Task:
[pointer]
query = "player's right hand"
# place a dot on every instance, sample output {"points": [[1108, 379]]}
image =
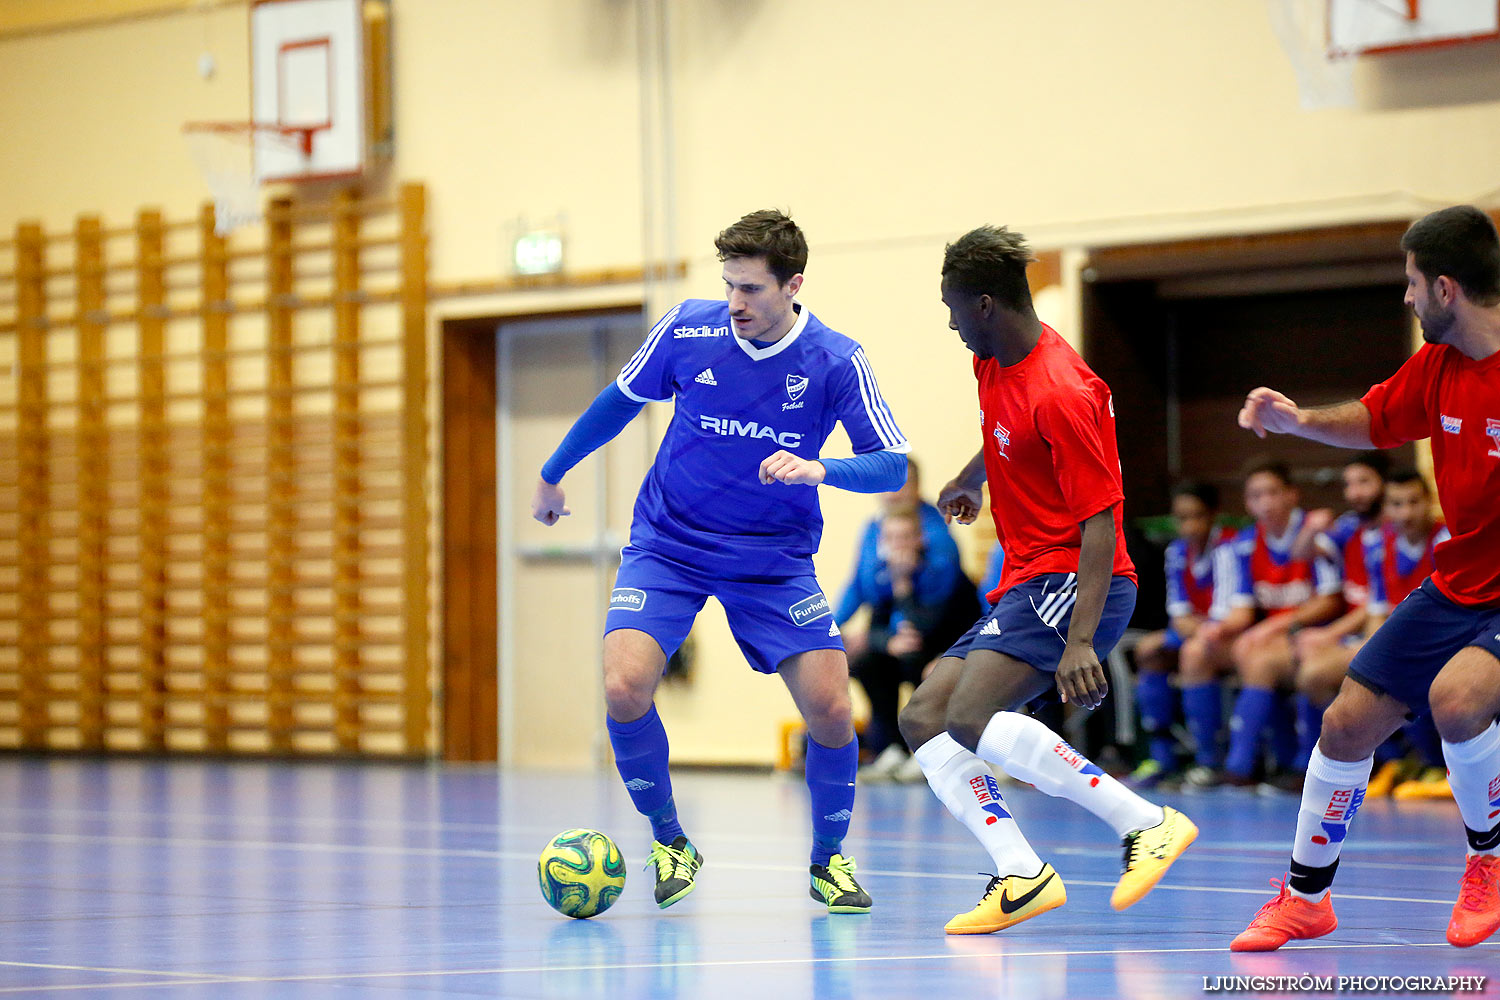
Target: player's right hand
{"points": [[959, 501], [1267, 410], [548, 503]]}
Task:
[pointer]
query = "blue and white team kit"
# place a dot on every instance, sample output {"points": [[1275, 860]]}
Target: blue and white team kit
{"points": [[704, 524]]}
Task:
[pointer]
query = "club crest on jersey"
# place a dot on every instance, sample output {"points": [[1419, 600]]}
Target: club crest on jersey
{"points": [[809, 609], [1002, 439], [796, 385], [627, 599], [1492, 428], [1079, 762], [987, 793]]}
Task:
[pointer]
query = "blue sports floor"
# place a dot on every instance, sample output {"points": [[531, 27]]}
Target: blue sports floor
{"points": [[236, 880]]}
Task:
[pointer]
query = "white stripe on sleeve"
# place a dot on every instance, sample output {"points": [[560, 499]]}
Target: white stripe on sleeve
{"points": [[643, 353], [876, 410]]}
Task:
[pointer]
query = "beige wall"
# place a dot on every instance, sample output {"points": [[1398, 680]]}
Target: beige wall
{"points": [[886, 127]]}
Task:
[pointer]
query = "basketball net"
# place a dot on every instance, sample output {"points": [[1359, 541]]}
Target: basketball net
{"points": [[1323, 81], [225, 153]]}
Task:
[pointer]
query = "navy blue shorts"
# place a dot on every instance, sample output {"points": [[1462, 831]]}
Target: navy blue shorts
{"points": [[1030, 621], [771, 620], [1418, 640]]}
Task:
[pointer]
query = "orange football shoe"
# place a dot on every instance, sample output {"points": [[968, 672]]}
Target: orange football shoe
{"points": [[1286, 918], [1476, 915]]}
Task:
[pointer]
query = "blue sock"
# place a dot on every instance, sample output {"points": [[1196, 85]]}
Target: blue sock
{"points": [[1252, 710], [1203, 704], [830, 781], [1284, 733], [1309, 725], [1154, 694], [641, 758]]}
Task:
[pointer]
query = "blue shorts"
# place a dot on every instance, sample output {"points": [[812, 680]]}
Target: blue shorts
{"points": [[771, 619], [1171, 640], [1030, 621], [1417, 640]]}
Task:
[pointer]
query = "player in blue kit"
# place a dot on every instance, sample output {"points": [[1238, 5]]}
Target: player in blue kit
{"points": [[726, 511]]}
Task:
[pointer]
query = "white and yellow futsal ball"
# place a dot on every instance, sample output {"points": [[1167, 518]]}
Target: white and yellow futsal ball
{"points": [[581, 873]]}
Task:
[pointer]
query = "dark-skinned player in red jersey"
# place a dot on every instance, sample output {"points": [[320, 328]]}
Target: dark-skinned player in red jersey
{"points": [[1439, 651], [1066, 595]]}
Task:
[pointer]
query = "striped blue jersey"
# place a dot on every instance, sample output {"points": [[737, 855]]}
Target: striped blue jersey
{"points": [[702, 502]]}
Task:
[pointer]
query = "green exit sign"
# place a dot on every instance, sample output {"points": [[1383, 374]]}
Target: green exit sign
{"points": [[539, 253]]}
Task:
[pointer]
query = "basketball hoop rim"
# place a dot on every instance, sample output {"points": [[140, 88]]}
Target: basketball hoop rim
{"points": [[302, 135]]}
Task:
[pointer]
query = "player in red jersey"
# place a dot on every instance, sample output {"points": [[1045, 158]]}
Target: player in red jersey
{"points": [[1439, 651], [1064, 598]]}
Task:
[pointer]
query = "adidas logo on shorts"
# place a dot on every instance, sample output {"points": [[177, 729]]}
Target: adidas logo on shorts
{"points": [[991, 627], [833, 630], [706, 376]]}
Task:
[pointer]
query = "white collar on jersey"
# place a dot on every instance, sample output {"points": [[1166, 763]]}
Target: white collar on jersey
{"points": [[1284, 541], [761, 353]]}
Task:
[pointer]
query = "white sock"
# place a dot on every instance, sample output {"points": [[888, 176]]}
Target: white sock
{"points": [[1474, 774], [1332, 792], [1035, 754], [963, 784]]}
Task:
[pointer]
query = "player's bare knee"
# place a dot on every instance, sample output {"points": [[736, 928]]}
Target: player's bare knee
{"points": [[830, 720], [1456, 712], [920, 720], [1348, 734], [627, 693], [966, 725]]}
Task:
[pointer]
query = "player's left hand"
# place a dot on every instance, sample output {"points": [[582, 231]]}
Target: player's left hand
{"points": [[1080, 678], [784, 467]]}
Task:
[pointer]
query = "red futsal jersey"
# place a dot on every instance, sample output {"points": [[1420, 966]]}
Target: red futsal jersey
{"points": [[1441, 394], [1050, 457]]}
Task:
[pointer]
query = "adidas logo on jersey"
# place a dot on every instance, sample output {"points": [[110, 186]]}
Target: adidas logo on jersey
{"points": [[833, 630], [706, 376], [991, 627], [639, 784]]}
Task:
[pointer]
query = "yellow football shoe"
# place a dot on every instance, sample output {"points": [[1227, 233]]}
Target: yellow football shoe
{"points": [[1009, 900], [1148, 855]]}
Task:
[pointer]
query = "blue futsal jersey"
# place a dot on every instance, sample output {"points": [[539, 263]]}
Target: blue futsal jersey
{"points": [[702, 502]]}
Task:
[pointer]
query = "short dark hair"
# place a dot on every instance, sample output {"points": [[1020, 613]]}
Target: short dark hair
{"points": [[769, 233], [1376, 461], [991, 260], [1205, 493], [1273, 466], [1408, 474], [1460, 242]]}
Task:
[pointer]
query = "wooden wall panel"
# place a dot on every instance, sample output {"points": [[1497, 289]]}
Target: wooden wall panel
{"points": [[213, 518]]}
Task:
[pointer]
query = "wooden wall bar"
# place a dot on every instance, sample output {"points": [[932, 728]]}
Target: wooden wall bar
{"points": [[213, 510]]}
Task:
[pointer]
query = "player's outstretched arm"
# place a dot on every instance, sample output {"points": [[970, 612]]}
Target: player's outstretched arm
{"points": [[606, 417], [548, 503], [961, 497], [1343, 425]]}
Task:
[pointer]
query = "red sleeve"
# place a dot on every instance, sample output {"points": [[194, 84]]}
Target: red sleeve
{"points": [[1073, 425], [1398, 406]]}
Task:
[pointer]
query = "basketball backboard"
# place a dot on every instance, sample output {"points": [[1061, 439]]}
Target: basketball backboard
{"points": [[308, 70], [1361, 27]]}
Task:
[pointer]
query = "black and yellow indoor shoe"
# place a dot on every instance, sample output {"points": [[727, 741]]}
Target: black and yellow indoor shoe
{"points": [[1148, 855], [834, 885], [676, 867], [1010, 899]]}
